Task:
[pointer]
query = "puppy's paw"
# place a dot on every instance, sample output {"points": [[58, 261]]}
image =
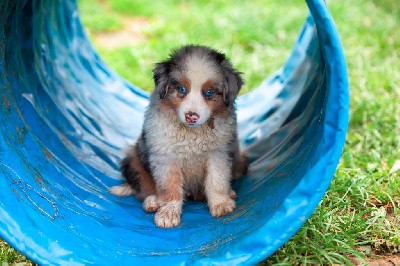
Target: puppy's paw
{"points": [[222, 208], [168, 216], [123, 190], [150, 204], [232, 194]]}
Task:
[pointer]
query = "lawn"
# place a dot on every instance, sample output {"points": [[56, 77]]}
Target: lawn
{"points": [[359, 217]]}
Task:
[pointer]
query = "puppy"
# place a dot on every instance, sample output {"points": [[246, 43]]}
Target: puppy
{"points": [[188, 148]]}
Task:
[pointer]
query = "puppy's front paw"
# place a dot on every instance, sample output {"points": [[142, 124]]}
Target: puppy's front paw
{"points": [[222, 208], [150, 204], [168, 216]]}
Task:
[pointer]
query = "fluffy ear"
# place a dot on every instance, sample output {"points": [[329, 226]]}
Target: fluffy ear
{"points": [[232, 85], [160, 76]]}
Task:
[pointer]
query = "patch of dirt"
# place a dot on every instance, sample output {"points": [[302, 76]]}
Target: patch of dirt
{"points": [[390, 260], [132, 33], [381, 252]]}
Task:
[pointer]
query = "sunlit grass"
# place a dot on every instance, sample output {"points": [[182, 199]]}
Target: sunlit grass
{"points": [[9, 255], [256, 36]]}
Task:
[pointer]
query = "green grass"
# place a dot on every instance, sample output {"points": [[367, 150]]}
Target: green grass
{"points": [[102, 18], [258, 40], [9, 255], [359, 215]]}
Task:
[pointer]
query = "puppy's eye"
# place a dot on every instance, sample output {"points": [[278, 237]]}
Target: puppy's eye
{"points": [[209, 93], [182, 90]]}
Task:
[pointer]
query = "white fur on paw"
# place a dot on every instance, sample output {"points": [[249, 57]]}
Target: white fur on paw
{"points": [[123, 190], [222, 208], [150, 204], [167, 216]]}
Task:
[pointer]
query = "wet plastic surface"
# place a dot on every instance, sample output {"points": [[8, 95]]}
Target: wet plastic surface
{"points": [[65, 118]]}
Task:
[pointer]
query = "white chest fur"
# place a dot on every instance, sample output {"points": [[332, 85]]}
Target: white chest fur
{"points": [[166, 135], [170, 142]]}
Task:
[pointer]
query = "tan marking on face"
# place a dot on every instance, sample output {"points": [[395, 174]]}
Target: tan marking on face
{"points": [[174, 98], [198, 75], [207, 85], [171, 102], [215, 102], [186, 83]]}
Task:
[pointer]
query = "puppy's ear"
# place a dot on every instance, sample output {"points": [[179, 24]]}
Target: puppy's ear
{"points": [[160, 76], [232, 85]]}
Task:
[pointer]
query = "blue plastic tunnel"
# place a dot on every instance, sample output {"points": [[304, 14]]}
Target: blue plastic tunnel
{"points": [[65, 117]]}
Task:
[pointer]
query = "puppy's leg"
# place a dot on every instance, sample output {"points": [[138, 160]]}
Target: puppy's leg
{"points": [[239, 159], [138, 179], [169, 180], [220, 196], [240, 165]]}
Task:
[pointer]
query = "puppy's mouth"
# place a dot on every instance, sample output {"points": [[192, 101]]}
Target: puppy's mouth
{"points": [[193, 125]]}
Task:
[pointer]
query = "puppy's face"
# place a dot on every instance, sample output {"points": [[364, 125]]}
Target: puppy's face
{"points": [[195, 91], [198, 83]]}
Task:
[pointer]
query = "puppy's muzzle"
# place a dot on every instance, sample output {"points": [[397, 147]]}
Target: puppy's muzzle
{"points": [[191, 117]]}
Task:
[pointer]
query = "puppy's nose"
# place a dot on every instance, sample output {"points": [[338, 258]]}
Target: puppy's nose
{"points": [[191, 117]]}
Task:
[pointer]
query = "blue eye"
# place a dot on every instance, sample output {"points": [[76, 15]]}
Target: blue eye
{"points": [[208, 93], [182, 90]]}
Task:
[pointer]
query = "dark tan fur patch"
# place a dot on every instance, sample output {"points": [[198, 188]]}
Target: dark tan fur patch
{"points": [[217, 105], [240, 166], [206, 85], [216, 102], [137, 175], [174, 98], [171, 188], [186, 83]]}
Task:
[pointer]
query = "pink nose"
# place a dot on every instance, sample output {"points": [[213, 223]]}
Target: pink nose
{"points": [[191, 117]]}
